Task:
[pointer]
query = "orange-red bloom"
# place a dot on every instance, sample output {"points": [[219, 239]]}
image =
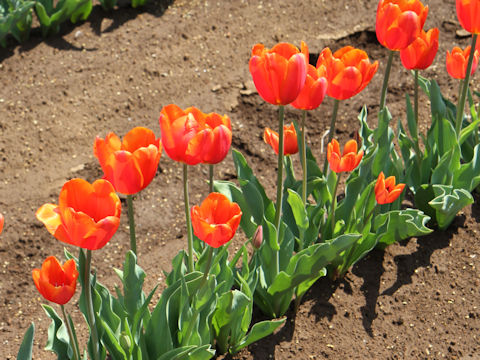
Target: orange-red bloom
{"points": [[87, 215], [468, 13], [457, 62], [399, 22], [313, 91], [2, 220], [290, 144], [386, 191], [130, 164], [55, 282], [348, 71], [279, 73], [348, 160], [216, 219], [420, 53], [190, 136]]}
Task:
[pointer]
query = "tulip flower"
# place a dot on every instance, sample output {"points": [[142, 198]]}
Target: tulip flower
{"points": [[192, 137], [420, 53], [279, 73], [313, 91], [216, 219], [468, 13], [2, 221], [386, 191], [56, 282], [87, 215], [348, 71], [289, 138], [399, 22], [348, 160], [130, 164], [457, 62]]}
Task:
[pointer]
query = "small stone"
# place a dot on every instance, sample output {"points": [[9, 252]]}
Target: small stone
{"points": [[216, 88], [462, 33]]}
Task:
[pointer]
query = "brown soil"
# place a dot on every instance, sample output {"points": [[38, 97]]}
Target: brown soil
{"points": [[416, 300]]}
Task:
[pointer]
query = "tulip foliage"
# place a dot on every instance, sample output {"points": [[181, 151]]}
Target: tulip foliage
{"points": [[307, 232]]}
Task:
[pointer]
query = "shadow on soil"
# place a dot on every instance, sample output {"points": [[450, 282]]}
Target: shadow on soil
{"points": [[119, 16]]}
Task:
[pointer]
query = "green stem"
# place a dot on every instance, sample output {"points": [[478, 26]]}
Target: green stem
{"points": [[303, 148], [334, 202], [90, 311], [131, 223], [73, 341], [383, 96], [331, 132], [278, 208], [463, 97], [188, 219], [416, 101], [210, 178]]}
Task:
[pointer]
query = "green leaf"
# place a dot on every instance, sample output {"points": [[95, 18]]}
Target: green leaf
{"points": [[133, 277], [448, 202], [298, 210], [468, 175], [25, 351], [259, 331], [398, 225], [191, 352], [58, 340]]}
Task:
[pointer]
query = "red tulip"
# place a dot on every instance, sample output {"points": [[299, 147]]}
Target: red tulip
{"points": [[457, 62], [468, 13], [131, 164], [290, 144], [348, 160], [190, 136], [2, 220], [420, 53], [386, 191], [313, 91], [279, 73], [87, 215], [55, 282], [216, 219], [399, 22], [348, 71]]}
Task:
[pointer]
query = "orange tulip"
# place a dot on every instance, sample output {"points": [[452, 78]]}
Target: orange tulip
{"points": [[386, 191], [290, 144], [190, 136], [313, 91], [348, 71], [216, 219], [130, 164], [2, 220], [349, 159], [420, 53], [468, 13], [279, 73], [457, 62], [399, 22], [87, 215], [55, 282]]}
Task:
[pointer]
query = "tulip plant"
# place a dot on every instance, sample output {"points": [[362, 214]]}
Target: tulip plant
{"points": [[306, 232], [15, 18]]}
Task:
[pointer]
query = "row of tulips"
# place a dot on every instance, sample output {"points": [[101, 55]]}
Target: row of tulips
{"points": [[208, 303]]}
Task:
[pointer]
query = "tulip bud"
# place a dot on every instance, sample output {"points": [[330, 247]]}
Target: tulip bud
{"points": [[257, 237], [125, 342]]}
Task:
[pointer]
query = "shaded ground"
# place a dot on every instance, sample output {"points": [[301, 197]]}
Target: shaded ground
{"points": [[416, 300]]}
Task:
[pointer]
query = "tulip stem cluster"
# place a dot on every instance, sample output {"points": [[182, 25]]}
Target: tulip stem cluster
{"points": [[383, 97], [188, 219], [73, 339], [463, 97], [331, 131], [90, 311], [131, 224]]}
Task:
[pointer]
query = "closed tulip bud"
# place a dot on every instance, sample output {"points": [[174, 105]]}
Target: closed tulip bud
{"points": [[420, 53], [257, 238], [313, 91]]}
